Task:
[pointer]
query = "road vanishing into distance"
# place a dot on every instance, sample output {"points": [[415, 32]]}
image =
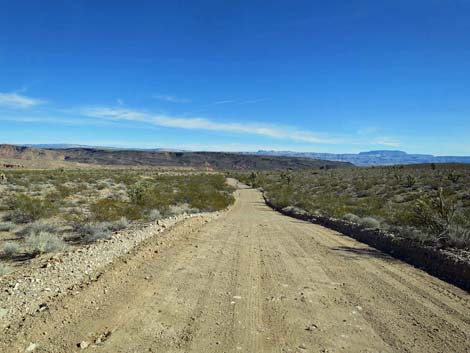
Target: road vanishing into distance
{"points": [[254, 281]]}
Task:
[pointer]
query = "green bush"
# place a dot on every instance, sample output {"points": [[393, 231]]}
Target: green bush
{"points": [[113, 210], [26, 209]]}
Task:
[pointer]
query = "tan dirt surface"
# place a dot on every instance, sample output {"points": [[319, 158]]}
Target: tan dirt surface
{"points": [[252, 281]]}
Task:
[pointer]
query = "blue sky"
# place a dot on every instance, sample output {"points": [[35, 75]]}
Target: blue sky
{"points": [[325, 76]]}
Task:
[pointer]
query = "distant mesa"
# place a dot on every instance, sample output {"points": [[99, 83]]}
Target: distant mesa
{"points": [[372, 158]]}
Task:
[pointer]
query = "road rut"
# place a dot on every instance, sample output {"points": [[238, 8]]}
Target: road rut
{"points": [[253, 281]]}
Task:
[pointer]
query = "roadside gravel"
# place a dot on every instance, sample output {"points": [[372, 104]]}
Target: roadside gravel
{"points": [[28, 290]]}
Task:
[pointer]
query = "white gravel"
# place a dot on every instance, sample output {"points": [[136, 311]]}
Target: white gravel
{"points": [[28, 290]]}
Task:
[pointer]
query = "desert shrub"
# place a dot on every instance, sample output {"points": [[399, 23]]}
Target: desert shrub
{"points": [[435, 213], [26, 209], [369, 222], [295, 210], [137, 192], [113, 210], [44, 242], [4, 269], [457, 236], [90, 232], [37, 227], [453, 177], [63, 191], [410, 181], [11, 249], [97, 234], [350, 217], [120, 224], [6, 226], [175, 210], [154, 215], [85, 229], [413, 233]]}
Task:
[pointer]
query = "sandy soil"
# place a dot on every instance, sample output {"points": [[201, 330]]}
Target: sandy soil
{"points": [[252, 281]]}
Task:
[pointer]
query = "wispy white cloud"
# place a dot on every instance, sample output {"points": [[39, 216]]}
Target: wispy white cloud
{"points": [[18, 101], [225, 101], [252, 101], [239, 102], [170, 98], [368, 130], [53, 120], [289, 133], [386, 141]]}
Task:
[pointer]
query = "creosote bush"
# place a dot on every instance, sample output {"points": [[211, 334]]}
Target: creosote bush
{"points": [[26, 209]]}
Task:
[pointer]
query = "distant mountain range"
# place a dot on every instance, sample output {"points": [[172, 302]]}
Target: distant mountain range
{"points": [[371, 158], [80, 156], [61, 146]]}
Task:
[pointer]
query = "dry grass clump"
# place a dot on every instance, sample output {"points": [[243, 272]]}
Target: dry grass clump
{"points": [[11, 249], [350, 217], [6, 226], [154, 215], [90, 232], [44, 242], [175, 210], [4, 269], [37, 227], [369, 222]]}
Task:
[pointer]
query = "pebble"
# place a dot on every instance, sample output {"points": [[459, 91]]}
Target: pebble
{"points": [[3, 312], [84, 344], [31, 348]]}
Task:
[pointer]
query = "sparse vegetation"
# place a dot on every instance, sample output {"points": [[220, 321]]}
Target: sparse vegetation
{"points": [[11, 249], [6, 226], [37, 227], [428, 203], [44, 242], [49, 210], [4, 269]]}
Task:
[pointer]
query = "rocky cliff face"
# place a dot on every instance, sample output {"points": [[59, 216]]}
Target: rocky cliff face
{"points": [[28, 153]]}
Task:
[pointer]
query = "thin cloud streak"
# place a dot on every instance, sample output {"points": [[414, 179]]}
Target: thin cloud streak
{"points": [[18, 101], [253, 101], [170, 98], [386, 141], [226, 101], [118, 114]]}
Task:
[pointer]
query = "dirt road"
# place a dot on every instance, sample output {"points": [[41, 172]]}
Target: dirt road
{"points": [[253, 281]]}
